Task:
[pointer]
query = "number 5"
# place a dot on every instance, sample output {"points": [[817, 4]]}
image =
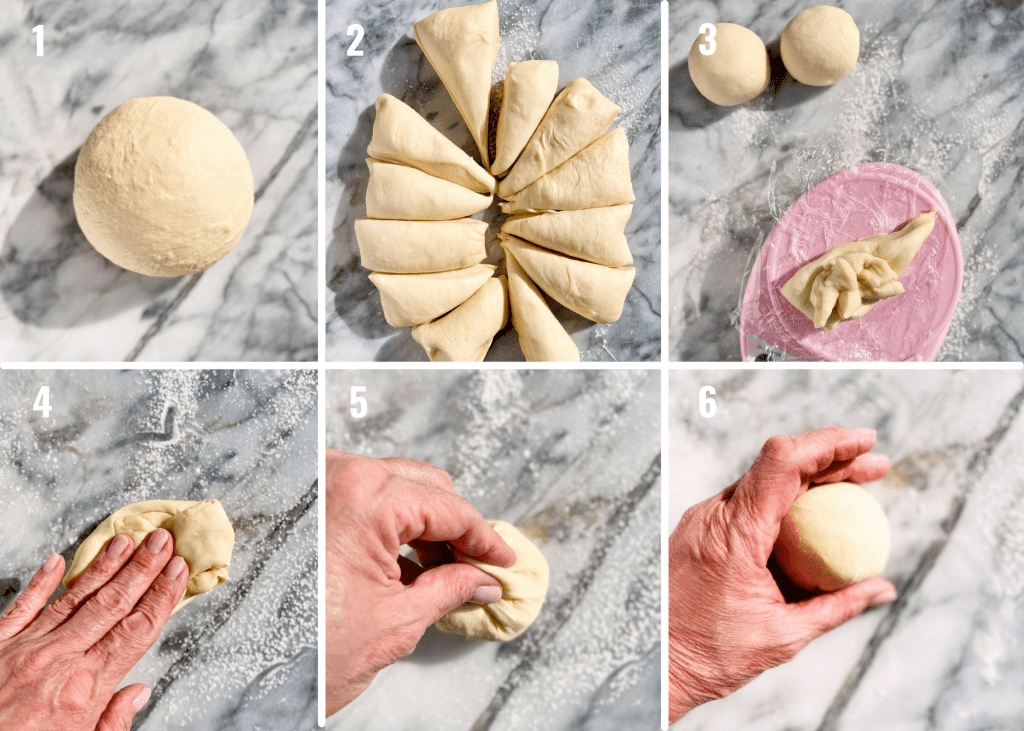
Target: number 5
{"points": [[358, 402]]}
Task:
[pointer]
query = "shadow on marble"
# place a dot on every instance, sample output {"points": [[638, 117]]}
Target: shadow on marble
{"points": [[437, 647]]}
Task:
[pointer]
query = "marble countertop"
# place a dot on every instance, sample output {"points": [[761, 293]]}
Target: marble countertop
{"points": [[254, 66], [573, 459], [243, 656], [612, 44], [936, 89], [947, 654]]}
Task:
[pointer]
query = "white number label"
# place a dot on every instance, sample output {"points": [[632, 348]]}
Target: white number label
{"points": [[357, 30], [358, 402], [43, 402], [708, 31], [39, 39], [708, 407]]}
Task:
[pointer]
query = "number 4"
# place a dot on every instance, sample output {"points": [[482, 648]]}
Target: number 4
{"points": [[43, 402], [358, 402]]}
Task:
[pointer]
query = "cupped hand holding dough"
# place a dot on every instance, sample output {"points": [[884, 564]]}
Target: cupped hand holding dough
{"points": [[203, 536], [529, 88], [407, 194], [464, 335], [413, 247], [409, 299], [736, 72], [541, 336], [820, 45]]}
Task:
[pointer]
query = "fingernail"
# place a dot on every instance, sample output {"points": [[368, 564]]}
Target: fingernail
{"points": [[119, 544], [174, 568], [51, 563], [486, 595], [865, 430], [156, 540], [141, 698], [884, 598]]}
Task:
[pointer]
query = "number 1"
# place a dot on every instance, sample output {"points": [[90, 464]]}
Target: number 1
{"points": [[39, 39]]}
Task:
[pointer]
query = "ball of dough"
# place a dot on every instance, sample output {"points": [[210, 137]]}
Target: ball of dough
{"points": [[736, 72], [820, 45], [203, 536], [523, 588], [162, 187], [832, 536]]}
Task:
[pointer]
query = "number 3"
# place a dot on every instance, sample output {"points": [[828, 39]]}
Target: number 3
{"points": [[708, 31]]}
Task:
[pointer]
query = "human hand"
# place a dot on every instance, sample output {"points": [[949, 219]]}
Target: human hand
{"points": [[379, 603], [63, 662], [728, 618]]}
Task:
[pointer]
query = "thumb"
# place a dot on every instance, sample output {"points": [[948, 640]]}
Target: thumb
{"points": [[443, 588], [824, 613], [123, 706]]}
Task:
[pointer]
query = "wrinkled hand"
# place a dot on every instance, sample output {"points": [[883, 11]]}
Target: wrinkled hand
{"points": [[728, 618], [62, 663], [379, 603]]}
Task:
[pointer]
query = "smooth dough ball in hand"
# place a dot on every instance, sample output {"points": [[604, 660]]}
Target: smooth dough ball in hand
{"points": [[162, 187], [524, 587], [736, 72], [833, 536], [820, 45]]}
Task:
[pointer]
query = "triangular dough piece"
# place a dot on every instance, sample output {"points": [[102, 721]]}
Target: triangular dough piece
{"points": [[596, 177], [409, 299], [529, 88], [577, 117], [464, 335], [414, 247], [541, 335], [401, 135], [591, 234], [597, 292], [850, 279], [462, 45], [403, 193]]}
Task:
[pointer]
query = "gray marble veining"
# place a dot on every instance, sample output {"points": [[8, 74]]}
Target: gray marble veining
{"points": [[613, 44]]}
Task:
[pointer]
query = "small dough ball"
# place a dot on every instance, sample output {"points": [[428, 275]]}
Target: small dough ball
{"points": [[524, 587], [832, 536], [736, 72], [820, 45], [162, 187]]}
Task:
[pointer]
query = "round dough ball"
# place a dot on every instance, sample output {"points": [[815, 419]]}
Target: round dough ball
{"points": [[832, 536], [820, 45], [162, 187], [524, 587], [736, 72]]}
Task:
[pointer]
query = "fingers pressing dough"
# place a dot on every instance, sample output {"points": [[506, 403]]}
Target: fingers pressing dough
{"points": [[405, 193], [529, 88], [410, 247], [409, 299], [465, 333], [591, 234], [541, 336]]}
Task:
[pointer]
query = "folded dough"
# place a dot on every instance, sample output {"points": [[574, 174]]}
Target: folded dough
{"points": [[410, 247], [541, 336], [203, 536], [850, 279], [595, 291], [465, 334], [462, 45], [402, 136], [591, 234], [597, 176], [409, 299], [529, 88], [523, 588], [405, 193]]}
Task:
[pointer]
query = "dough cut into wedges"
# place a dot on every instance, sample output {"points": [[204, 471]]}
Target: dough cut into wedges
{"points": [[400, 135], [409, 299], [462, 45], [578, 116], [541, 336], [597, 176], [850, 279], [407, 194], [591, 234], [529, 88], [415, 247], [595, 291], [464, 335]]}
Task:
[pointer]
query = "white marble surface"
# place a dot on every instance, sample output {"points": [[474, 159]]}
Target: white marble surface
{"points": [[613, 44], [242, 657], [946, 656], [573, 459], [936, 89], [253, 65]]}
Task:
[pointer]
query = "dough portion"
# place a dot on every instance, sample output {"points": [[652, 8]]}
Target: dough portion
{"points": [[409, 247], [405, 193], [524, 587], [597, 176], [529, 88], [591, 234], [738, 70], [597, 292], [820, 46], [402, 136], [578, 116], [833, 536], [850, 279], [465, 333], [541, 336], [409, 299], [162, 187], [462, 45], [203, 536]]}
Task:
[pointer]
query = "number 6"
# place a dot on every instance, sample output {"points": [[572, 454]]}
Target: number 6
{"points": [[708, 407]]}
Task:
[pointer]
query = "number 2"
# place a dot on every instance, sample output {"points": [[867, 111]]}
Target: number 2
{"points": [[358, 402], [358, 31], [708, 31]]}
